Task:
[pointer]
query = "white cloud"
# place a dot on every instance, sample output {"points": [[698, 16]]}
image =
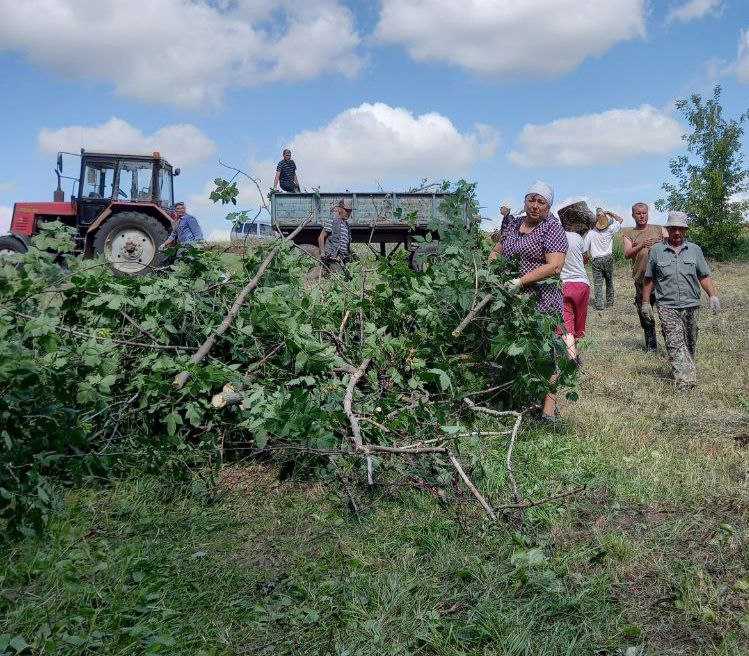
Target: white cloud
{"points": [[377, 142], [605, 138], [5, 214], [184, 52], [742, 61], [181, 144], [693, 10], [543, 37]]}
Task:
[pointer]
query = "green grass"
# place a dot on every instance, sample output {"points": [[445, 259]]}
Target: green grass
{"points": [[653, 554]]}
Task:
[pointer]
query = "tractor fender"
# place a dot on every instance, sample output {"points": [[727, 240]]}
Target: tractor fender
{"points": [[24, 239], [116, 208]]}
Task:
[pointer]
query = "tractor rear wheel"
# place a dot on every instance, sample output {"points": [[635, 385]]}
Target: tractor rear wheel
{"points": [[10, 246], [130, 242], [421, 256]]}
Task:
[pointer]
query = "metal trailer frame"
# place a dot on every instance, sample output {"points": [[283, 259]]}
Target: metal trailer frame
{"points": [[373, 217]]}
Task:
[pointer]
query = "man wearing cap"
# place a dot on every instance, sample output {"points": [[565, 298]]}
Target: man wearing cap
{"points": [[637, 244], [600, 241], [286, 174], [335, 238], [676, 269]]}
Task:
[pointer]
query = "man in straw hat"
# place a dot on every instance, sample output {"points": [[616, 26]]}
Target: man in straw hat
{"points": [[335, 238], [600, 241], [676, 269]]}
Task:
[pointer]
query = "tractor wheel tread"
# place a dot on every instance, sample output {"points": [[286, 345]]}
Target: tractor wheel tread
{"points": [[149, 224]]}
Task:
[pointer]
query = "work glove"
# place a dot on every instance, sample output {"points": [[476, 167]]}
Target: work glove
{"points": [[647, 311], [512, 286], [715, 304]]}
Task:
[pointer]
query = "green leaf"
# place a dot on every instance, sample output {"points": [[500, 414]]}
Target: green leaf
{"points": [[514, 349]]}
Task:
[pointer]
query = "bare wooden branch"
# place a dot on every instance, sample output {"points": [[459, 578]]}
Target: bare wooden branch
{"points": [[513, 436], [256, 181], [255, 366], [510, 473], [472, 314], [532, 504], [348, 400], [343, 325], [207, 345], [489, 390], [479, 497]]}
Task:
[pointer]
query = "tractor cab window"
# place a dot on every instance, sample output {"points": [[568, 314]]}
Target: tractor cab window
{"points": [[166, 188], [98, 180], [134, 181]]}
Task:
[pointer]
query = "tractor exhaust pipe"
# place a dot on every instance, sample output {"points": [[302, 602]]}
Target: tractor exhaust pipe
{"points": [[59, 195]]}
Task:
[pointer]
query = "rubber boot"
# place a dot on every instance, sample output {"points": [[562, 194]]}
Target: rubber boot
{"points": [[651, 341]]}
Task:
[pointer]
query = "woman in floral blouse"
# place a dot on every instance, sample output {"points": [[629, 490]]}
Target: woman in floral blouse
{"points": [[539, 242]]}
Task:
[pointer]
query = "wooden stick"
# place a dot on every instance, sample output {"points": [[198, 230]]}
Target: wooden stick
{"points": [[207, 345], [518, 419], [540, 502], [343, 325], [255, 366], [489, 390], [479, 497], [348, 400], [472, 314], [510, 473]]}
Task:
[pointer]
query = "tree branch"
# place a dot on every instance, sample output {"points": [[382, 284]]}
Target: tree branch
{"points": [[205, 347], [472, 314]]}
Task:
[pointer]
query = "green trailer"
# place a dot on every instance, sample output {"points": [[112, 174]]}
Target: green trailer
{"points": [[379, 218]]}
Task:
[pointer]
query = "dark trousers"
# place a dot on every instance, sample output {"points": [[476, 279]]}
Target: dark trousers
{"points": [[648, 326]]}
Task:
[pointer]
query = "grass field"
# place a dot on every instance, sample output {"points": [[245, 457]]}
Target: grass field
{"points": [[650, 559]]}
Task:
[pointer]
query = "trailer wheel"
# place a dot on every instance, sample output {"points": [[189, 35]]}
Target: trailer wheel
{"points": [[130, 242], [422, 255], [10, 246]]}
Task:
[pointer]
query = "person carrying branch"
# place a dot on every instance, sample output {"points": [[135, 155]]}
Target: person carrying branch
{"points": [[537, 238], [335, 238], [676, 270], [637, 244], [286, 174], [601, 243]]}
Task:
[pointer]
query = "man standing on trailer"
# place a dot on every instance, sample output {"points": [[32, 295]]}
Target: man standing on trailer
{"points": [[286, 174]]}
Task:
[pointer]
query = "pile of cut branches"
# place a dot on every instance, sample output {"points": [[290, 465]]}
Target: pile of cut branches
{"points": [[221, 355]]}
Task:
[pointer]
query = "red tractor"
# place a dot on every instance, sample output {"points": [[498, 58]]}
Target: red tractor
{"points": [[123, 210]]}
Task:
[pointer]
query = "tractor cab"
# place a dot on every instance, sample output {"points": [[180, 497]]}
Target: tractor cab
{"points": [[121, 208], [106, 179]]}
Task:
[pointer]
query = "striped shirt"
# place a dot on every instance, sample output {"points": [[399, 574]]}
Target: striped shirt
{"points": [[338, 243]]}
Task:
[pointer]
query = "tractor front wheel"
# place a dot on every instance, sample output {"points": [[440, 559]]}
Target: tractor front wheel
{"points": [[9, 246], [130, 242]]}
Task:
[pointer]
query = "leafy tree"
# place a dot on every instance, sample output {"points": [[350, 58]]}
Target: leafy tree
{"points": [[707, 179]]}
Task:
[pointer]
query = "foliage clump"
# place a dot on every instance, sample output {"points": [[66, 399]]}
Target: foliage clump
{"points": [[88, 360], [710, 178]]}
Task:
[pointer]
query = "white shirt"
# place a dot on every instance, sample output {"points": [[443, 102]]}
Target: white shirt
{"points": [[574, 265], [602, 241]]}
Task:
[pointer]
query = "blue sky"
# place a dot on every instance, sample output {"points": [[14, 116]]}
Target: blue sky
{"points": [[576, 92]]}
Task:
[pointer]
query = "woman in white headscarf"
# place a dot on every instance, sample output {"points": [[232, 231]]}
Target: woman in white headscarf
{"points": [[537, 239]]}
